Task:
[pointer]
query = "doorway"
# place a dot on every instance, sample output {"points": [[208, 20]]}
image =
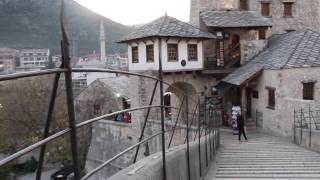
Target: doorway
{"points": [[248, 102]]}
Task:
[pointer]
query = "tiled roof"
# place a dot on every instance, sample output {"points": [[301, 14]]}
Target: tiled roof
{"points": [[234, 18], [291, 50], [167, 26], [119, 84]]}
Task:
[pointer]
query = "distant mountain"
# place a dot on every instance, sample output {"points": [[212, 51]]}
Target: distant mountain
{"points": [[35, 24]]}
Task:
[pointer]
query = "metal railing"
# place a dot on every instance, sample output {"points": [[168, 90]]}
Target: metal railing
{"points": [[66, 69], [305, 119], [232, 57]]}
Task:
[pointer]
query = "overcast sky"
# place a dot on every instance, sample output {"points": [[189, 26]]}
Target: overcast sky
{"points": [[131, 12]]}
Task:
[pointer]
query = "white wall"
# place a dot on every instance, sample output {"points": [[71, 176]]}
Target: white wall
{"points": [[183, 55], [143, 65]]}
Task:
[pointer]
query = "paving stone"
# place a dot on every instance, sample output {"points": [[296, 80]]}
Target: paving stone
{"points": [[263, 157]]}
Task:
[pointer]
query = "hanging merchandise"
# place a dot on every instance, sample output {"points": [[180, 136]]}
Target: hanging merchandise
{"points": [[235, 110]]}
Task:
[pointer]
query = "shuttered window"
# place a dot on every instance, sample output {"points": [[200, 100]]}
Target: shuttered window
{"points": [[243, 5], [271, 98], [172, 52], [287, 9], [265, 9], [262, 34], [135, 55], [308, 91], [192, 52], [150, 53]]}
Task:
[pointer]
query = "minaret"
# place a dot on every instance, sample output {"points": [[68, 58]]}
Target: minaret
{"points": [[103, 56]]}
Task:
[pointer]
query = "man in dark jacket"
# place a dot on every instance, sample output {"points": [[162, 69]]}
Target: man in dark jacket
{"points": [[240, 124]]}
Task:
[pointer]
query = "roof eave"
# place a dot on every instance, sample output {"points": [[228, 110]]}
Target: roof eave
{"points": [[243, 83], [260, 26], [187, 37]]}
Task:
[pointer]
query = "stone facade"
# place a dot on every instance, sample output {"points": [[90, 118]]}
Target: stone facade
{"points": [[8, 58], [288, 96], [306, 14], [110, 138]]}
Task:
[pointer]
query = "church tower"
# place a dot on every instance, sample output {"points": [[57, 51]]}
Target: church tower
{"points": [[103, 56]]}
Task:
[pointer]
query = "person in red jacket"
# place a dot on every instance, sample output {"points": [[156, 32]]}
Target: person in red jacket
{"points": [[126, 117]]}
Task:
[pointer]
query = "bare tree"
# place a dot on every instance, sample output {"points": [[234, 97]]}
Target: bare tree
{"points": [[24, 106]]}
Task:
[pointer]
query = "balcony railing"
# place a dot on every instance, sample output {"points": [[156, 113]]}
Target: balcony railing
{"points": [[232, 58]]}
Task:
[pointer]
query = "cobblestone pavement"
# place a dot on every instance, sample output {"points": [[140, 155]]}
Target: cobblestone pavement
{"points": [[263, 157]]}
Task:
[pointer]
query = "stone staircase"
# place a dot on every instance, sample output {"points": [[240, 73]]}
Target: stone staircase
{"points": [[251, 125], [263, 157]]}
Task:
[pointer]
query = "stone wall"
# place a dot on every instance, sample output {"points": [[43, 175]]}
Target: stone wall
{"points": [[309, 139], [110, 138], [176, 163], [288, 85], [306, 14], [249, 49]]}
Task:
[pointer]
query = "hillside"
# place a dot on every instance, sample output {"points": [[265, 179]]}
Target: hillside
{"points": [[35, 24]]}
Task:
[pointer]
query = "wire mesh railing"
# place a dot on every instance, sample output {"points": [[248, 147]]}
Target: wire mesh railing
{"points": [[305, 120], [190, 116]]}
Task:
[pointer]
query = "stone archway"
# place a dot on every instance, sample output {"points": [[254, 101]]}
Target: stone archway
{"points": [[175, 95]]}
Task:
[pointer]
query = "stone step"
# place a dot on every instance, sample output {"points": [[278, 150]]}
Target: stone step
{"points": [[278, 176], [264, 157], [280, 168], [267, 163]]}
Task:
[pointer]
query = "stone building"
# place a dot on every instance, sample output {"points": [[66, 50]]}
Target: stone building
{"points": [[286, 15], [34, 58], [280, 79], [236, 34], [8, 60]]}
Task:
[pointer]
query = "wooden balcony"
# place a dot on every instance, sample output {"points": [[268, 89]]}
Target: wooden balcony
{"points": [[230, 62]]}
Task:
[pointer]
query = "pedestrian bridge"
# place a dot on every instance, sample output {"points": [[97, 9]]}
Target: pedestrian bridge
{"points": [[262, 157]]}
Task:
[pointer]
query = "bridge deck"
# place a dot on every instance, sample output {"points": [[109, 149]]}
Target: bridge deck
{"points": [[263, 157]]}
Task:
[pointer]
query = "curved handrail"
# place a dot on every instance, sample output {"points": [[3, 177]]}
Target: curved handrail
{"points": [[32, 74], [88, 175], [65, 131], [131, 74], [62, 70]]}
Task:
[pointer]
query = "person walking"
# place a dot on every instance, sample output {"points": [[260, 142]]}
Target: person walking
{"points": [[240, 124]]}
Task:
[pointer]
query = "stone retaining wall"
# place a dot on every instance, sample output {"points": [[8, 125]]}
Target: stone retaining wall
{"points": [[176, 162]]}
